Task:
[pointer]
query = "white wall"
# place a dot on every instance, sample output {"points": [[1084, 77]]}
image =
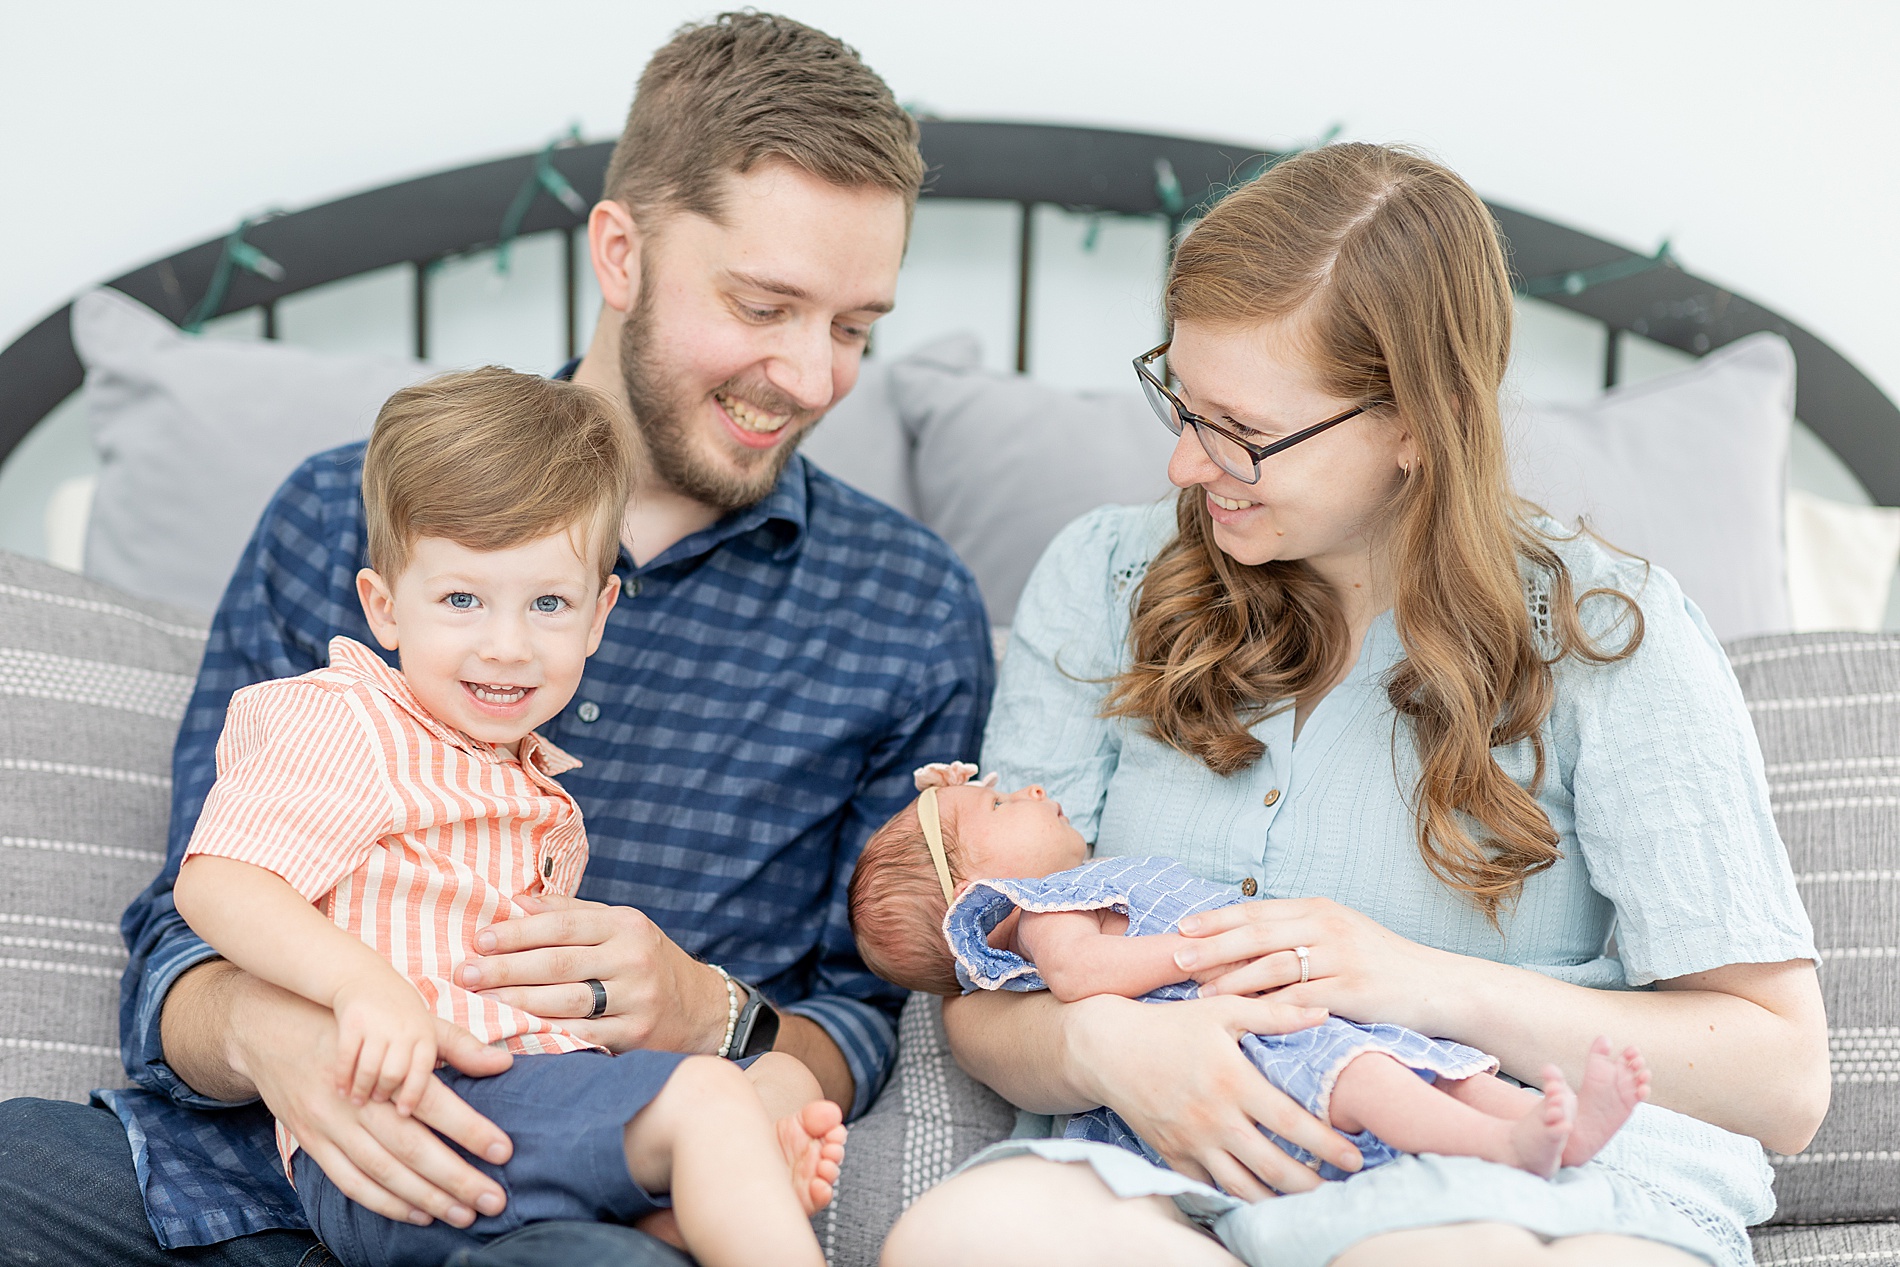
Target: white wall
{"points": [[1758, 137]]}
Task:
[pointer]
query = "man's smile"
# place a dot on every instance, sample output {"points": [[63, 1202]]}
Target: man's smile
{"points": [[750, 419]]}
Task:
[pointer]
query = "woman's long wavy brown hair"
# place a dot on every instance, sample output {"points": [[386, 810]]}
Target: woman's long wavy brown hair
{"points": [[1393, 268]]}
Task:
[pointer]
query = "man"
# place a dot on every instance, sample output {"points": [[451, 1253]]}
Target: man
{"points": [[785, 652]]}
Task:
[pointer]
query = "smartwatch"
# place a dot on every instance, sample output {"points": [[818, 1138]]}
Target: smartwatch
{"points": [[757, 1027]]}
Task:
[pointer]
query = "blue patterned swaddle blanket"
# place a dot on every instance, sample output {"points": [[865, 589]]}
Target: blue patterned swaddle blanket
{"points": [[1156, 894]]}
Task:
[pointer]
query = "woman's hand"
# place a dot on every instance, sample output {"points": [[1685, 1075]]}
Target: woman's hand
{"points": [[658, 996], [1356, 968], [1179, 1077]]}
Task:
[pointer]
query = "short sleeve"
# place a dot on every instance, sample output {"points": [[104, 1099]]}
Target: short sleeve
{"points": [[1069, 639], [301, 790], [1671, 800]]}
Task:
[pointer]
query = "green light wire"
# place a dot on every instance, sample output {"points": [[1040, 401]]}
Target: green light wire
{"points": [[545, 178], [1578, 280], [237, 253]]}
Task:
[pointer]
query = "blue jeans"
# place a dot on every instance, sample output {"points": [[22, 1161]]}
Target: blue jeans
{"points": [[68, 1198]]}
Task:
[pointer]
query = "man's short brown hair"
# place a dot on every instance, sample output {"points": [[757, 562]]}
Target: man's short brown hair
{"points": [[745, 88], [490, 459]]}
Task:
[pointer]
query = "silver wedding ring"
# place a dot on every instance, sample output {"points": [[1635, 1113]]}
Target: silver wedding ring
{"points": [[1306, 965], [600, 996]]}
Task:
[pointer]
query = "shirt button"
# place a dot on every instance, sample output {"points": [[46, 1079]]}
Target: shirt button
{"points": [[1248, 888], [588, 711], [632, 587], [547, 866], [1268, 800]]}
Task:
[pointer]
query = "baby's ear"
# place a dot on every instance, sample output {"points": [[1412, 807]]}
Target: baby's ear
{"points": [[962, 887]]}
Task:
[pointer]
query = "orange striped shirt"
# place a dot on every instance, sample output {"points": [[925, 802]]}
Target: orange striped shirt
{"points": [[400, 829]]}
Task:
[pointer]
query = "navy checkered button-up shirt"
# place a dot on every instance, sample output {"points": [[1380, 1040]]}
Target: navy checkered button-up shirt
{"points": [[761, 695]]}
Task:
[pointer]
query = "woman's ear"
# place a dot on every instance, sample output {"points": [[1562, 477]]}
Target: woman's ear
{"points": [[613, 242], [379, 606]]}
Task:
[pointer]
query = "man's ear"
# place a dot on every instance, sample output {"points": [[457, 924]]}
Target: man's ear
{"points": [[609, 595], [379, 606], [614, 242]]}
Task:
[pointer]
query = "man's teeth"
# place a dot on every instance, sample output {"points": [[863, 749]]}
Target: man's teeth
{"points": [[1229, 503], [498, 694], [754, 420]]}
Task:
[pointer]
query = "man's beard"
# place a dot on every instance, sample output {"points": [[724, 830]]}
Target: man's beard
{"points": [[662, 407]]}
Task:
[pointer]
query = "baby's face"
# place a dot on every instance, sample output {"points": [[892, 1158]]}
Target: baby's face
{"points": [[492, 641], [1022, 833]]}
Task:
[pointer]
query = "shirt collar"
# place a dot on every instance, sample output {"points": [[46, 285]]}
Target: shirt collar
{"points": [[357, 661], [782, 513]]}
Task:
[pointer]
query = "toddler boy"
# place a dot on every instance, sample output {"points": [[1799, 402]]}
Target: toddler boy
{"points": [[366, 822]]}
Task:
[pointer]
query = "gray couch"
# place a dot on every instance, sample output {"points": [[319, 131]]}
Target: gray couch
{"points": [[93, 681]]}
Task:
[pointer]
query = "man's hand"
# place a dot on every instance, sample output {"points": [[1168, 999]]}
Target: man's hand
{"points": [[386, 1042], [658, 996], [284, 1049]]}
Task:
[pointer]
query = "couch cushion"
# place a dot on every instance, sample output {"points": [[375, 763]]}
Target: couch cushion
{"points": [[1827, 708], [195, 434], [92, 685], [930, 1117], [1855, 1245], [1688, 471]]}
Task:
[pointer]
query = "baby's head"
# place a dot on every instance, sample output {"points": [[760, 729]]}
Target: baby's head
{"points": [[897, 896], [493, 503]]}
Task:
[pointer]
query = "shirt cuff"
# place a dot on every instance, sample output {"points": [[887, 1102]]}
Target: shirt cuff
{"points": [[143, 1046], [863, 1032]]}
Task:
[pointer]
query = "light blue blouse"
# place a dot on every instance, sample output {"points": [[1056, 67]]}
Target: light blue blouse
{"points": [[1671, 860]]}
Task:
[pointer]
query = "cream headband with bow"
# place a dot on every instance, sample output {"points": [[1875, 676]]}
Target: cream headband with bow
{"points": [[928, 779]]}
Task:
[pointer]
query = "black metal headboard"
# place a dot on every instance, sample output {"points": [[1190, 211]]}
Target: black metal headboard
{"points": [[1130, 173]]}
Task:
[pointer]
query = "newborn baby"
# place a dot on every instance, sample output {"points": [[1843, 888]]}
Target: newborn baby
{"points": [[970, 889]]}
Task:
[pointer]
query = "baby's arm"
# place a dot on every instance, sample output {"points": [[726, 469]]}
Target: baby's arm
{"points": [[256, 920], [1078, 955]]}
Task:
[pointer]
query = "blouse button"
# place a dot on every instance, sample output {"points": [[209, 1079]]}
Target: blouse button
{"points": [[1248, 888], [588, 711], [1268, 800]]}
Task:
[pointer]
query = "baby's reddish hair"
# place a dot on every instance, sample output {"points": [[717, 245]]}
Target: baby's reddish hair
{"points": [[897, 905]]}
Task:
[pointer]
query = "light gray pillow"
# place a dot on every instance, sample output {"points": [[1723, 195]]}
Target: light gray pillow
{"points": [[1688, 470], [1827, 709], [194, 435], [862, 442], [1000, 463], [92, 685]]}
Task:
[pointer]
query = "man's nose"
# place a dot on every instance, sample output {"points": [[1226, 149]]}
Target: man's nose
{"points": [[803, 368]]}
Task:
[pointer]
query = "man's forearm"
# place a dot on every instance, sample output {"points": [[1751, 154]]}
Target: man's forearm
{"points": [[196, 1027], [806, 1039]]}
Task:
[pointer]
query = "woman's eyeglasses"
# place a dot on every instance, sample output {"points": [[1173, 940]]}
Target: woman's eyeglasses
{"points": [[1239, 458]]}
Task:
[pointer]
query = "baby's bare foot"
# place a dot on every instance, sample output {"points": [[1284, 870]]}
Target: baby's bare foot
{"points": [[1538, 1137], [1612, 1088], [813, 1140]]}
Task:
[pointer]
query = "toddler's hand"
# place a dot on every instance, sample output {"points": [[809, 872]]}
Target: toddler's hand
{"points": [[385, 1043]]}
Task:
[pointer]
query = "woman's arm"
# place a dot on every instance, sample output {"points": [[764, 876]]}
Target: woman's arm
{"points": [[1175, 1072], [1743, 1047], [1076, 958]]}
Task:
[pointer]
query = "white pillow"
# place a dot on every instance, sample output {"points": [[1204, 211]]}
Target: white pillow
{"points": [[1687, 471], [194, 435], [1841, 562]]}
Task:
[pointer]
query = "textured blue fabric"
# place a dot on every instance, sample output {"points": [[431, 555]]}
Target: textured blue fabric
{"points": [[763, 691], [1156, 894]]}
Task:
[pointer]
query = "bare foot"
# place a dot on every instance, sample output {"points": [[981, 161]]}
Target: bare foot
{"points": [[813, 1140], [1538, 1137], [1612, 1088]]}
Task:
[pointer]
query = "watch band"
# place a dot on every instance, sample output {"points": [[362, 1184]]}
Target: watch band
{"points": [[757, 1028]]}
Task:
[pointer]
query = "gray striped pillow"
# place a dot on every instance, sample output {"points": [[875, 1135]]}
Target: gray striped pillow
{"points": [[92, 685], [1827, 708]]}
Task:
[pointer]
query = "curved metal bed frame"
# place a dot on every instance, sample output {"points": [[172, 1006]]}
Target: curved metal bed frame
{"points": [[421, 221]]}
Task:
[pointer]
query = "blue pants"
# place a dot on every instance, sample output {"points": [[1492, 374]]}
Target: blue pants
{"points": [[68, 1198]]}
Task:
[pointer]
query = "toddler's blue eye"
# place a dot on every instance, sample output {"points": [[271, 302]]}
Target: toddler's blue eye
{"points": [[549, 603], [460, 601]]}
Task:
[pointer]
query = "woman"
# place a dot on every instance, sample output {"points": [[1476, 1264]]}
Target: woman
{"points": [[1499, 778]]}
